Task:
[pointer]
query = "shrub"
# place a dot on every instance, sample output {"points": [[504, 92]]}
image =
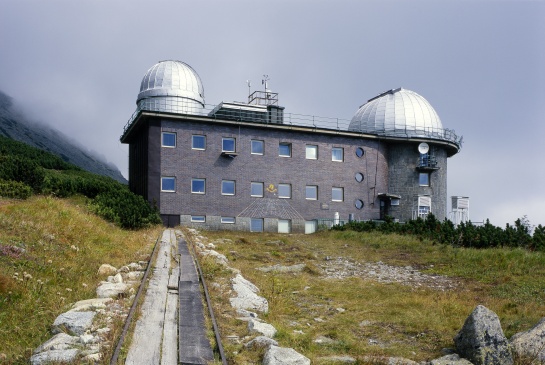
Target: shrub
{"points": [[14, 189], [18, 168]]}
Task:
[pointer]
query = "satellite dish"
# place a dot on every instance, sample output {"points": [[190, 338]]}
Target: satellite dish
{"points": [[423, 148]]}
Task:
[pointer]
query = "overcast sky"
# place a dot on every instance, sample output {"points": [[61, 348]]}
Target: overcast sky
{"points": [[77, 65]]}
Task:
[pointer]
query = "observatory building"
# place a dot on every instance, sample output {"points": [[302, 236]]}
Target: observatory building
{"points": [[251, 166]]}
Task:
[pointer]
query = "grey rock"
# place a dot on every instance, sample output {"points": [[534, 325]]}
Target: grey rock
{"points": [[90, 304], [452, 359], [261, 342], [530, 344], [109, 290], [54, 356], [323, 340], [60, 341], [247, 297], [279, 268], [338, 359], [481, 339], [106, 269], [75, 323], [284, 356], [265, 329], [136, 267]]}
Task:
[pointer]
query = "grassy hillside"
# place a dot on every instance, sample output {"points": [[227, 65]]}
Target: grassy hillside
{"points": [[50, 251]]}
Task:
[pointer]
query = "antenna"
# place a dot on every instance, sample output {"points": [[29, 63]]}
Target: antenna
{"points": [[423, 148], [265, 82], [249, 83]]}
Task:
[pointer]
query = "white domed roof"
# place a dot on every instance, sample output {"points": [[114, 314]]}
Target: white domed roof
{"points": [[395, 112], [171, 79]]}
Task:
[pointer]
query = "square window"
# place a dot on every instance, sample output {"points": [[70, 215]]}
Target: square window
{"points": [[228, 187], [168, 139], [198, 219], [284, 226], [198, 142], [168, 184], [311, 226], [311, 152], [228, 145], [337, 154], [424, 179], [198, 186], [337, 194], [284, 150], [228, 220], [257, 189], [256, 225], [284, 191], [258, 147], [311, 192]]}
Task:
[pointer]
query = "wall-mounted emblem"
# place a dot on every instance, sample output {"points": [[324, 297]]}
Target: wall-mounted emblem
{"points": [[271, 188]]}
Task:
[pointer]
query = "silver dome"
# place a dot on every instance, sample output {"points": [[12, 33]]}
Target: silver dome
{"points": [[397, 112], [171, 86]]}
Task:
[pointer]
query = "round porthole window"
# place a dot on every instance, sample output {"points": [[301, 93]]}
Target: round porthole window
{"points": [[359, 177], [360, 152], [359, 204]]}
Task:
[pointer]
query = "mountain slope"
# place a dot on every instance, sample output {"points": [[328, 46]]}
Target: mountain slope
{"points": [[15, 126]]}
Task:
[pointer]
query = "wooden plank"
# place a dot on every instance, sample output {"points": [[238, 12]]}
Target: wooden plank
{"points": [[169, 354]]}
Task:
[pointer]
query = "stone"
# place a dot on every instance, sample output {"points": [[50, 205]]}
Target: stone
{"points": [[452, 359], [481, 339], [134, 276], [343, 359], [60, 341], [133, 266], [261, 342], [247, 297], [92, 359], [106, 269], [88, 339], [246, 313], [323, 340], [284, 356], [123, 269], [118, 278], [265, 329], [283, 269], [54, 356], [111, 290], [530, 344], [75, 323], [90, 304], [218, 257]]}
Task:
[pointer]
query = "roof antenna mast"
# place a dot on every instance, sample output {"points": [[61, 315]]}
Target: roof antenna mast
{"points": [[249, 83]]}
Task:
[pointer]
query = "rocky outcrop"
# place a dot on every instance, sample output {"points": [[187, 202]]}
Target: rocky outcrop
{"points": [[452, 359], [481, 339], [264, 329], [530, 344], [284, 356], [247, 297], [74, 323]]}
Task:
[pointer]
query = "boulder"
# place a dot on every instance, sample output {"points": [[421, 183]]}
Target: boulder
{"points": [[247, 297], [60, 341], [530, 344], [111, 290], [218, 257], [55, 356], [338, 359], [452, 359], [283, 269], [265, 329], [90, 304], [75, 323], [261, 342], [106, 269], [481, 339], [284, 356]]}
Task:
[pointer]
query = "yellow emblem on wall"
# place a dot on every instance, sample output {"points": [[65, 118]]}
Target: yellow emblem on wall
{"points": [[271, 189]]}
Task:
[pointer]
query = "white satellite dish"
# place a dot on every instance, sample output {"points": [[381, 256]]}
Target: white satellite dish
{"points": [[423, 148]]}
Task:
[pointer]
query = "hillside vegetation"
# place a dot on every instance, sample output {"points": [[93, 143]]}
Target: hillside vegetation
{"points": [[26, 170]]}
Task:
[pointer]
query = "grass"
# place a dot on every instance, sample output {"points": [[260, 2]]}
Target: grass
{"points": [[50, 251], [379, 319]]}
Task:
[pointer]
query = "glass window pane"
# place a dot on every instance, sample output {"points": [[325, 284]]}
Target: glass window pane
{"points": [[337, 194], [257, 189], [360, 152], [257, 147], [198, 186], [256, 225], [284, 149], [168, 184], [198, 142], [228, 220], [284, 226], [228, 145], [359, 177], [311, 152], [169, 139], [198, 218], [358, 204], [228, 187], [311, 192], [424, 179], [284, 191], [337, 154], [310, 226]]}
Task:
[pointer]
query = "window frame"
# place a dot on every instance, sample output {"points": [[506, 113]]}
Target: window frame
{"points": [[288, 145], [311, 147], [197, 219], [223, 220], [360, 152], [284, 196], [257, 183], [164, 178], [261, 220], [333, 154], [193, 142], [224, 139], [337, 188], [234, 187], [428, 179], [163, 134], [194, 180], [307, 187], [262, 147]]}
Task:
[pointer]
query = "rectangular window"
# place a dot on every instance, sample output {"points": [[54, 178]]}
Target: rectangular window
{"points": [[257, 189], [228, 220], [198, 142], [337, 194], [311, 152], [168, 184], [284, 226], [256, 225], [284, 150], [424, 179], [228, 187], [168, 139], [258, 147], [424, 206], [198, 219], [311, 226], [284, 191], [337, 154], [311, 192], [228, 145], [198, 186]]}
